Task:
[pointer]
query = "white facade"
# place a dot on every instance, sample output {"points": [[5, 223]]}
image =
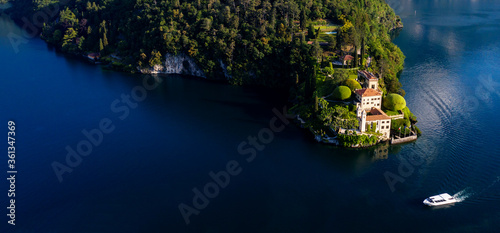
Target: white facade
{"points": [[369, 106], [383, 126], [370, 102], [377, 116], [369, 98]]}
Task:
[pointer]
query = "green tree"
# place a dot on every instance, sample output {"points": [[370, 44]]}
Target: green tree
{"points": [[332, 42], [206, 24], [352, 84], [311, 33], [394, 102], [340, 75], [104, 40], [68, 17], [342, 93], [101, 46], [57, 36], [329, 70], [155, 59], [281, 30], [68, 38], [81, 44], [303, 19]]}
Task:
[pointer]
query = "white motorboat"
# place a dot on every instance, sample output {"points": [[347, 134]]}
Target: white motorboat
{"points": [[441, 199]]}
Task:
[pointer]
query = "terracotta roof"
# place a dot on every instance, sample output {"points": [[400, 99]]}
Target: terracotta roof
{"points": [[367, 92], [367, 75], [377, 114], [347, 58]]}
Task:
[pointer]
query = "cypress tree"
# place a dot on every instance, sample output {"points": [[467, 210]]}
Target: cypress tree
{"points": [[101, 46], [105, 40], [316, 102], [355, 61], [362, 50]]}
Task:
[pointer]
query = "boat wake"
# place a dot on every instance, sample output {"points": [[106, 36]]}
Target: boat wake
{"points": [[492, 184], [462, 195], [468, 192]]}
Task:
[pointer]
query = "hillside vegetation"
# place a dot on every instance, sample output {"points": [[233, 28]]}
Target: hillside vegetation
{"points": [[258, 41]]}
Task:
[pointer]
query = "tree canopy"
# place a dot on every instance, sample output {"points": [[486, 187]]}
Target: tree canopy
{"points": [[342, 93], [394, 102], [352, 84], [254, 42]]}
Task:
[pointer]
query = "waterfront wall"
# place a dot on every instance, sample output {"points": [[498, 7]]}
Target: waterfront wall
{"points": [[403, 140]]}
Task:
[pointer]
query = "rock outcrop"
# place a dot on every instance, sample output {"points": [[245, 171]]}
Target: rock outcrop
{"points": [[176, 64]]}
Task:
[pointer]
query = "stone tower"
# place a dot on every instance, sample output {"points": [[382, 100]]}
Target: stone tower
{"points": [[373, 83], [362, 121]]}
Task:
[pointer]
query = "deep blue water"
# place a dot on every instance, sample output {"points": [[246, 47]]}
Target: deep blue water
{"points": [[185, 128]]}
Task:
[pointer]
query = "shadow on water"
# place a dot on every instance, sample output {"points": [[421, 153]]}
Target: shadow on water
{"points": [[351, 160]]}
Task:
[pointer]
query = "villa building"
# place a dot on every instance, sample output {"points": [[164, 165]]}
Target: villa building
{"points": [[369, 112], [375, 120], [368, 79], [369, 98]]}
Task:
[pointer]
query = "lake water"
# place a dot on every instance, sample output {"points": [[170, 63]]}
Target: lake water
{"points": [[186, 128]]}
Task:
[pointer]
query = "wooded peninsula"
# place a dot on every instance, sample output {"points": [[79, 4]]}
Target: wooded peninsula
{"points": [[335, 56]]}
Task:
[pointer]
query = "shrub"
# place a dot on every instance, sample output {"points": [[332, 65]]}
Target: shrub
{"points": [[352, 140], [417, 130], [407, 112], [396, 124], [329, 70], [352, 84], [340, 75], [352, 107], [394, 102], [342, 93]]}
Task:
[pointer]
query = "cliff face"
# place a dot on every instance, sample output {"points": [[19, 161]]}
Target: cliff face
{"points": [[176, 64]]}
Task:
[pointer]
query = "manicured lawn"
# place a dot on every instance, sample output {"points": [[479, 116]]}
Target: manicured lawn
{"points": [[326, 28], [324, 37], [391, 113]]}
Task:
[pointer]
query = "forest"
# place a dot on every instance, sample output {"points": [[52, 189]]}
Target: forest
{"points": [[255, 42]]}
